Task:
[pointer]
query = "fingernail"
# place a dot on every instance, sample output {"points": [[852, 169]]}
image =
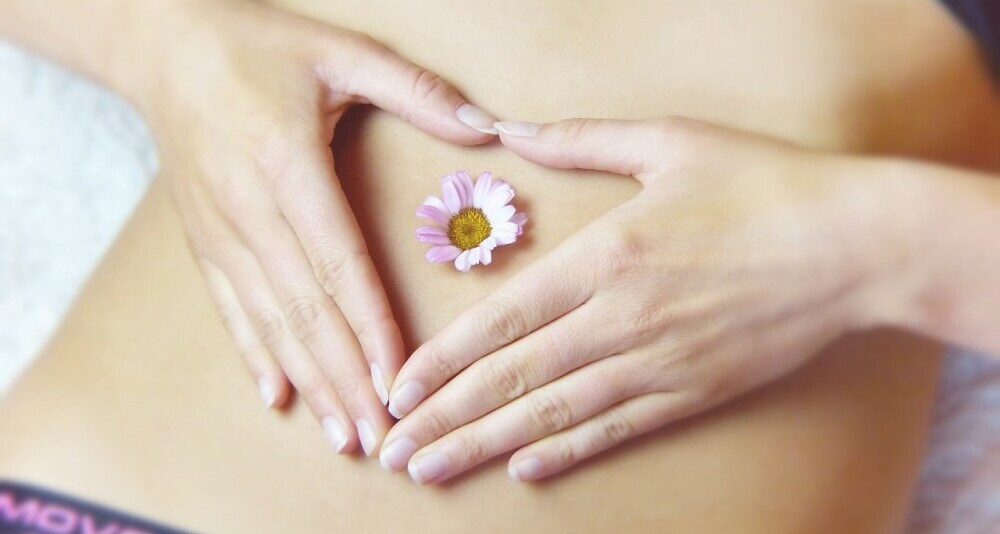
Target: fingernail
{"points": [[406, 399], [518, 128], [266, 393], [366, 433], [529, 469], [379, 382], [429, 467], [476, 118], [395, 455], [335, 433]]}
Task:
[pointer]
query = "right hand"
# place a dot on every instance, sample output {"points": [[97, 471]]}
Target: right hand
{"points": [[243, 106]]}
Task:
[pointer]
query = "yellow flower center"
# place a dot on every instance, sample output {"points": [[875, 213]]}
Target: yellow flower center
{"points": [[469, 228]]}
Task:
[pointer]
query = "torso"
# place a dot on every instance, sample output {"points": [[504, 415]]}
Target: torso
{"points": [[161, 418]]}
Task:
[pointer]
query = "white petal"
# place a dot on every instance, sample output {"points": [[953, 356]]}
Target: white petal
{"points": [[500, 196], [462, 262], [507, 227], [487, 255], [500, 216], [483, 185], [489, 243], [504, 238], [474, 256]]}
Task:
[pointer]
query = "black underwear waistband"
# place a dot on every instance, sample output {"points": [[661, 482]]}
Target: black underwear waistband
{"points": [[29, 510]]}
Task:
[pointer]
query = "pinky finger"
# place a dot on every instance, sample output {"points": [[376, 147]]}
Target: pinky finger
{"points": [[272, 384], [604, 431]]}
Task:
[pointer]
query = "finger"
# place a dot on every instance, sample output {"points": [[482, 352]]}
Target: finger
{"points": [[543, 412], [569, 343], [317, 210], [527, 301], [604, 431], [641, 148], [314, 321], [272, 384], [373, 72], [272, 330]]}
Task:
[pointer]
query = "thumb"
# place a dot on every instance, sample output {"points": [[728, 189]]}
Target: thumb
{"points": [[374, 73], [639, 148]]}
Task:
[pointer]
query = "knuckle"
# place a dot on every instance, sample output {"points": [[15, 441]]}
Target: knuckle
{"points": [[505, 379], [333, 269], [438, 364], [305, 316], [501, 323], [647, 318], [425, 84], [472, 448], [270, 327], [550, 414], [564, 452], [348, 387], [435, 423], [623, 252], [616, 428]]}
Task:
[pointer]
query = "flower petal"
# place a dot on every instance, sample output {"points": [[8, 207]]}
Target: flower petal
{"points": [[433, 234], [475, 255], [465, 188], [442, 254], [489, 243], [487, 254], [438, 215], [451, 198], [500, 216], [504, 237], [462, 262], [506, 227], [498, 198], [519, 218], [483, 185]]}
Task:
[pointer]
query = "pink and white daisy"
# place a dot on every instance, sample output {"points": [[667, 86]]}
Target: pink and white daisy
{"points": [[471, 220]]}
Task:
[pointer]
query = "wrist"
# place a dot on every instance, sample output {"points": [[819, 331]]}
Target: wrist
{"points": [[884, 205]]}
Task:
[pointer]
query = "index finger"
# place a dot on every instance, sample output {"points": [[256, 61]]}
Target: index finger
{"points": [[536, 296], [311, 199]]}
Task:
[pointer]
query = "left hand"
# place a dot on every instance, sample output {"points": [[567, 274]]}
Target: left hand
{"points": [[741, 257]]}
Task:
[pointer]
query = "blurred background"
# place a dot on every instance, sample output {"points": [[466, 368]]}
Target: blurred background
{"points": [[75, 159]]}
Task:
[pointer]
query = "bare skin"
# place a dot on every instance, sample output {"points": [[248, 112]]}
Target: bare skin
{"points": [[162, 416]]}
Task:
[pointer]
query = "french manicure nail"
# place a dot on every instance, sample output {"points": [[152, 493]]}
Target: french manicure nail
{"points": [[366, 433], [429, 467], [528, 469], [406, 399], [266, 393], [476, 118], [395, 455], [379, 382], [335, 433], [518, 128]]}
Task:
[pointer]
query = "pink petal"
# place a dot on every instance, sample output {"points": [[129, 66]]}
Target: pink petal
{"points": [[483, 186], [500, 216], [519, 218], [487, 255], [433, 234], [504, 237], [498, 198], [464, 188], [451, 198], [438, 215], [462, 262], [442, 254]]}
